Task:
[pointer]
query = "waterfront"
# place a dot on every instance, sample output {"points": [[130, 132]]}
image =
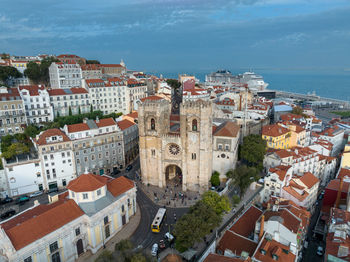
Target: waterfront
{"points": [[326, 83]]}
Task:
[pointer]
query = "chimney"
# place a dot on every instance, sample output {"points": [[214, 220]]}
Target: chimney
{"points": [[261, 233], [339, 193], [97, 119], [85, 120]]}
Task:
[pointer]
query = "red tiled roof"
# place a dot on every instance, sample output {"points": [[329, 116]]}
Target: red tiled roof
{"points": [[133, 114], [77, 127], [309, 179], [67, 56], [273, 247], [73, 90], [274, 130], [105, 122], [119, 185], [111, 65], [227, 129], [245, 225], [287, 219], [40, 221], [49, 133], [91, 67], [124, 124], [290, 117], [33, 89], [219, 258], [343, 173], [281, 171], [291, 191], [151, 98], [87, 182], [236, 243]]}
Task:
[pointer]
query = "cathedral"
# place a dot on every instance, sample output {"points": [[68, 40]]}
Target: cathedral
{"points": [[180, 143]]}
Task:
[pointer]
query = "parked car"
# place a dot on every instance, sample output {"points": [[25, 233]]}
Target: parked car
{"points": [[35, 194], [319, 251], [22, 199], [6, 200], [128, 168], [154, 251], [169, 237], [161, 244], [8, 213]]}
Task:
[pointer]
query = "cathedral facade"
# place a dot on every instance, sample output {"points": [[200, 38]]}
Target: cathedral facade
{"points": [[176, 148]]}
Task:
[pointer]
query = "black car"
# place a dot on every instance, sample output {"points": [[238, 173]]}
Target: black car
{"points": [[51, 190], [8, 213], [6, 200], [128, 168]]}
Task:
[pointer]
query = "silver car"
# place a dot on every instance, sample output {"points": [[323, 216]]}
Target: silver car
{"points": [[35, 194], [154, 251]]}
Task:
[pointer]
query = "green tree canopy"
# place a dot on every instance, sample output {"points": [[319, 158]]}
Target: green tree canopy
{"points": [[6, 72], [92, 62], [15, 149], [253, 150], [219, 204], [31, 131], [235, 200], [173, 83], [40, 73], [215, 179], [243, 176], [123, 245]]}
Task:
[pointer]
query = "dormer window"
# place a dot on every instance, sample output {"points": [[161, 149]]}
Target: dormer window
{"points": [[85, 196], [274, 257], [99, 192]]}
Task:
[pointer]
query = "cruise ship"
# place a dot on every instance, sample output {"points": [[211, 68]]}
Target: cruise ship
{"points": [[225, 77]]}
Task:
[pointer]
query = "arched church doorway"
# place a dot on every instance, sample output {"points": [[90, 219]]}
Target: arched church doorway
{"points": [[173, 175]]}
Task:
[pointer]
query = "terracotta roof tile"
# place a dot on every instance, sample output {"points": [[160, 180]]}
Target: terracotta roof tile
{"points": [[69, 91], [106, 122], [78, 127], [119, 185], [276, 248], [228, 129], [124, 124], [40, 221], [274, 130], [151, 98], [87, 182], [285, 217], [245, 224], [49, 133], [33, 89], [236, 244], [309, 179], [219, 258]]}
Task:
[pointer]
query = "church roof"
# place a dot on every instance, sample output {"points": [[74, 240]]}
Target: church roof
{"points": [[87, 182], [228, 129]]}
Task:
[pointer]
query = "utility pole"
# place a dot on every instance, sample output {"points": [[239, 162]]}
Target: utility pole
{"points": [[245, 113]]}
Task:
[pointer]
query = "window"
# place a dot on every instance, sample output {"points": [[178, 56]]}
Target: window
{"points": [[63, 154], [153, 124], [77, 231], [153, 152], [64, 183], [85, 196], [99, 192], [194, 125], [38, 174], [194, 156], [53, 247], [105, 220], [73, 195]]}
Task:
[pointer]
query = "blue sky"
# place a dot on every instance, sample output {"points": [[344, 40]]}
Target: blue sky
{"points": [[179, 35]]}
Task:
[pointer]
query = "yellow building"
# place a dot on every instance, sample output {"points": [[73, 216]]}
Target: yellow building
{"points": [[298, 135], [345, 159], [276, 136]]}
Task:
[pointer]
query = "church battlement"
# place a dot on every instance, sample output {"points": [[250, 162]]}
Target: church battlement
{"points": [[171, 135], [196, 104], [155, 104]]}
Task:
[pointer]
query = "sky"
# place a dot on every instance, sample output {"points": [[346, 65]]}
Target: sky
{"points": [[179, 35]]}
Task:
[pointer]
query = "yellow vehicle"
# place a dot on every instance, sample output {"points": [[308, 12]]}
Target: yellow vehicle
{"points": [[158, 220]]}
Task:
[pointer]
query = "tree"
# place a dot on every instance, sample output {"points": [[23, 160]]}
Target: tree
{"points": [[253, 151], [123, 245], [243, 176], [105, 256], [5, 56], [215, 179], [31, 131], [173, 83], [70, 111], [91, 109], [138, 257], [92, 62], [44, 68], [235, 200], [33, 72], [219, 204], [40, 73], [15, 149], [7, 72], [79, 111], [196, 224], [297, 110]]}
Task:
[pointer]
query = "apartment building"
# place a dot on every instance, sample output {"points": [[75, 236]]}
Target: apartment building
{"points": [[130, 138], [65, 75], [76, 99], [36, 103], [276, 136], [91, 71], [83, 219], [12, 113], [136, 91], [55, 151], [98, 146], [112, 70], [110, 96]]}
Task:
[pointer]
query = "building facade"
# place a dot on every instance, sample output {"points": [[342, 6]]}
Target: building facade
{"points": [[76, 100], [98, 146], [12, 114], [131, 139], [65, 75], [93, 210], [37, 104]]}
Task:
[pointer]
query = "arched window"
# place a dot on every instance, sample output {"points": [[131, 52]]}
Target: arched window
{"points": [[153, 124], [194, 125]]}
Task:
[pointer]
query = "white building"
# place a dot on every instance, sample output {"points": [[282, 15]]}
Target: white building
{"points": [[76, 99], [335, 135], [57, 159], [91, 71], [36, 102], [323, 147], [93, 210], [65, 75], [225, 147], [109, 96], [136, 90], [22, 176]]}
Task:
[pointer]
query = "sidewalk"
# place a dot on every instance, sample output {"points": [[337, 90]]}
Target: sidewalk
{"points": [[124, 233], [169, 196]]}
